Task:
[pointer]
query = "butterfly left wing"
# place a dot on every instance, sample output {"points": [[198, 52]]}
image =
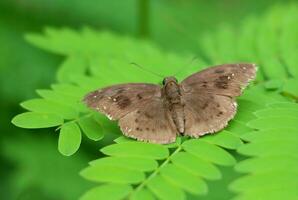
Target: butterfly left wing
{"points": [[139, 109], [151, 123], [209, 96], [118, 100]]}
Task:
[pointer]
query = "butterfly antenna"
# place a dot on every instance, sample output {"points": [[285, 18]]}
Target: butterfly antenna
{"points": [[188, 65], [147, 70]]}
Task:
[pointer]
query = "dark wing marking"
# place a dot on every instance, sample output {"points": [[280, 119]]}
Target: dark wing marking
{"points": [[227, 80], [151, 123], [119, 100]]}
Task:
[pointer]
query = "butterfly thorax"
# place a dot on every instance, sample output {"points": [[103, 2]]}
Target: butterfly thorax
{"points": [[173, 101]]}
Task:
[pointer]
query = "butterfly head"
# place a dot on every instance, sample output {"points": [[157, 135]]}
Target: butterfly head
{"points": [[170, 79]]}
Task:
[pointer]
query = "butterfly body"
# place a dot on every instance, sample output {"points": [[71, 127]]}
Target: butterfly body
{"points": [[202, 103], [173, 101]]}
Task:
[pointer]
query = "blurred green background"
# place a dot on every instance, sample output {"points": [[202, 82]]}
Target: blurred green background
{"points": [[31, 167]]}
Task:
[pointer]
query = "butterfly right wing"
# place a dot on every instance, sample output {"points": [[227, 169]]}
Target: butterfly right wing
{"points": [[206, 113], [209, 96], [227, 79]]}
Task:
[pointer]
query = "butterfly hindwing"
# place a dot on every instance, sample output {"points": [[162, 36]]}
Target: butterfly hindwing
{"points": [[206, 113], [151, 123], [119, 100]]}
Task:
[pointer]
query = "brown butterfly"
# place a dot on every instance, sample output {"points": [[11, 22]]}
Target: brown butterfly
{"points": [[202, 103]]}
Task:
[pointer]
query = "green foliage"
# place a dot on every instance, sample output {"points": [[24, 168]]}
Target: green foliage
{"points": [[269, 41], [41, 172], [273, 148], [88, 52], [139, 170], [166, 172]]}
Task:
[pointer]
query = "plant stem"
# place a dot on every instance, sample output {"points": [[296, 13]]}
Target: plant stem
{"points": [[143, 18]]}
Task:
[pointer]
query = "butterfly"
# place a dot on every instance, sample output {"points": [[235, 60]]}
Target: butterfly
{"points": [[202, 103]]}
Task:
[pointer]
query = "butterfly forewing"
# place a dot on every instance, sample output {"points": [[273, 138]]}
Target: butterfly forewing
{"points": [[118, 100], [228, 79]]}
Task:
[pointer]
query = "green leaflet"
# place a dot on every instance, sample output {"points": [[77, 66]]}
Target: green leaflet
{"points": [[184, 179], [67, 42], [72, 66], [113, 191], [70, 90], [58, 97], [196, 166], [142, 194], [164, 190], [46, 106], [37, 120], [224, 139], [265, 148], [136, 149], [290, 88], [276, 163], [277, 181], [277, 112], [276, 194], [208, 152], [274, 84], [274, 122], [140, 164], [91, 128], [112, 174], [269, 134], [69, 138]]}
